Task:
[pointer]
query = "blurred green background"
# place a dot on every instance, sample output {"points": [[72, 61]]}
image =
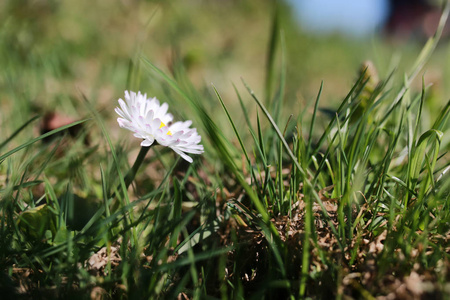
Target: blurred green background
{"points": [[52, 52]]}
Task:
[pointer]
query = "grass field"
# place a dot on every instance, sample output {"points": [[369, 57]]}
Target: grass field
{"points": [[325, 171]]}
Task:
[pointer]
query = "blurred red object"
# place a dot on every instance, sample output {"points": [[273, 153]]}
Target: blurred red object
{"points": [[413, 19], [53, 120]]}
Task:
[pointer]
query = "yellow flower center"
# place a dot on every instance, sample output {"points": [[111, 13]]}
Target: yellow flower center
{"points": [[162, 125]]}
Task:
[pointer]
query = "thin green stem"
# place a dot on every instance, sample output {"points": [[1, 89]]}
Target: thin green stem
{"points": [[137, 163], [131, 174]]}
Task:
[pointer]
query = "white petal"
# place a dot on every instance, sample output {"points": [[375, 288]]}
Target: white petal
{"points": [[183, 155], [147, 143]]}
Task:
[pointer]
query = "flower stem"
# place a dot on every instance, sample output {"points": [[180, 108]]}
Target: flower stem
{"points": [[129, 177], [132, 172]]}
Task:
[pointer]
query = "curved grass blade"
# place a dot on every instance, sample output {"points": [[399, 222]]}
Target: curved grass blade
{"points": [[15, 133], [30, 142]]}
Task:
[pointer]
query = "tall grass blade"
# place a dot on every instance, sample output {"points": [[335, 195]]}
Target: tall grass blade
{"points": [[32, 141]]}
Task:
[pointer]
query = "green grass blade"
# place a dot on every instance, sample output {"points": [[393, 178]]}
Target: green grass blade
{"points": [[313, 122], [232, 124], [15, 133], [32, 141]]}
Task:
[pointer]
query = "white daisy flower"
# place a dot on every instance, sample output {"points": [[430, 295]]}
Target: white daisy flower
{"points": [[151, 122]]}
